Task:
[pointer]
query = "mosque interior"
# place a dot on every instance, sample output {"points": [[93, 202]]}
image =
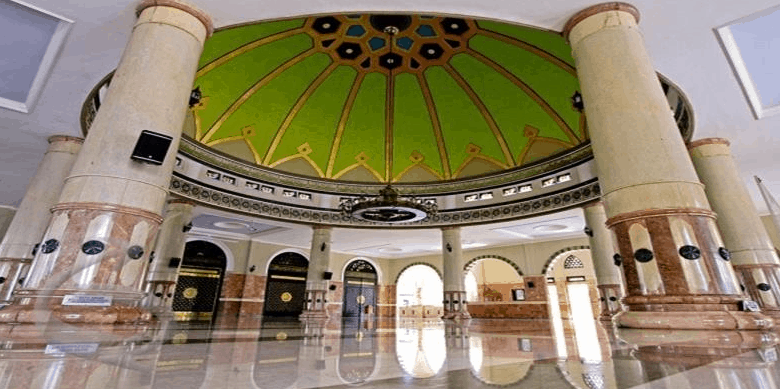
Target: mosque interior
{"points": [[204, 194]]}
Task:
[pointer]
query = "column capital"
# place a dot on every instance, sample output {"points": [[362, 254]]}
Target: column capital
{"points": [[183, 201], [708, 141], [592, 204], [317, 227], [597, 9], [180, 5], [65, 138]]}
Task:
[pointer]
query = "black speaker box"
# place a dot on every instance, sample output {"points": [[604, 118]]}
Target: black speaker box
{"points": [[327, 275], [151, 147]]}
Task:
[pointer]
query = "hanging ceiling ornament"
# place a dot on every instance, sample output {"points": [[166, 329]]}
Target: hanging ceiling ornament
{"points": [[388, 207]]}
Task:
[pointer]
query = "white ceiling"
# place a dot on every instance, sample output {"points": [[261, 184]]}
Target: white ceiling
{"points": [[679, 36], [389, 243]]}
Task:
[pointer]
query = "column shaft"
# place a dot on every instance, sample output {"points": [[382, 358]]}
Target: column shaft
{"points": [[752, 254], [316, 284], [33, 215], [603, 248], [110, 207], [455, 306], [655, 204], [168, 254]]}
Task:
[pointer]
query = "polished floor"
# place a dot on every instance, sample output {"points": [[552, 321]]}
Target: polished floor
{"points": [[386, 353]]}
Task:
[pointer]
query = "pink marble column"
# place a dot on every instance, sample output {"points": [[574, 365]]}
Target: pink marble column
{"points": [[110, 208], [31, 219]]}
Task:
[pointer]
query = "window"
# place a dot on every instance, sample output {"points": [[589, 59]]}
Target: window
{"points": [[751, 46], [31, 38]]}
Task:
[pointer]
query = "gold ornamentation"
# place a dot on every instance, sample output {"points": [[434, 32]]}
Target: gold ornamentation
{"points": [[286, 297], [361, 299], [190, 293]]}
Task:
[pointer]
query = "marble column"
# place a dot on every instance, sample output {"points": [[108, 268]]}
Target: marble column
{"points": [[316, 284], [6, 215], [168, 254], [455, 306], [752, 254], [674, 273], [31, 219], [110, 207], [602, 249]]}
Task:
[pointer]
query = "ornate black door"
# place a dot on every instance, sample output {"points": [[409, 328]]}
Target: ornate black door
{"points": [[359, 289], [286, 287]]}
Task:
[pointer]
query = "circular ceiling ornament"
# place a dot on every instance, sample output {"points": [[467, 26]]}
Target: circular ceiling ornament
{"points": [[388, 208]]}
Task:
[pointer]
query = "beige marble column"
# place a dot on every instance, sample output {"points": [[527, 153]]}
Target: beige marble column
{"points": [[316, 284], [455, 306], [752, 254], [168, 253], [111, 205], [6, 215], [602, 248], [656, 206], [32, 217]]}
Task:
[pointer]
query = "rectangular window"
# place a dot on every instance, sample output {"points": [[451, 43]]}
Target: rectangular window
{"points": [[751, 44], [31, 39]]}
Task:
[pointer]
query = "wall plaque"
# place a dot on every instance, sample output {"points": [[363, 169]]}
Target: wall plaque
{"points": [[86, 300], [71, 348]]}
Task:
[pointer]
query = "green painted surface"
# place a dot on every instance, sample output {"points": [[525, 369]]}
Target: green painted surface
{"points": [[225, 84], [549, 41], [231, 39], [511, 108], [461, 121], [365, 127], [552, 83], [266, 110], [413, 129], [316, 122]]}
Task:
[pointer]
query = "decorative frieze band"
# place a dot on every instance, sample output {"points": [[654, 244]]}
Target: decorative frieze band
{"points": [[188, 188]]}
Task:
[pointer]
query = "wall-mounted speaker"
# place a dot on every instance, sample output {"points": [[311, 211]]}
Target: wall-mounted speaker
{"points": [[332, 287], [327, 275], [151, 147]]}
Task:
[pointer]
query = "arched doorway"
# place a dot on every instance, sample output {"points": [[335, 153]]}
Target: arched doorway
{"points": [[419, 291], [285, 290], [571, 283], [199, 282], [360, 279]]}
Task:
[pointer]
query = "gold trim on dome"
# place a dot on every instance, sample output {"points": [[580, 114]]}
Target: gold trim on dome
{"points": [[420, 164], [202, 104], [343, 122], [510, 160], [530, 92], [361, 161], [549, 57], [302, 99], [445, 158], [246, 48], [389, 116], [252, 90]]}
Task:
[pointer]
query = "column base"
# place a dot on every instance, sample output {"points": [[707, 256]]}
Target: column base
{"points": [[313, 316], [708, 320], [29, 314], [457, 316]]}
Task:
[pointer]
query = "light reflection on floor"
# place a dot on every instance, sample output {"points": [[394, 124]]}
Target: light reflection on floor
{"points": [[381, 354]]}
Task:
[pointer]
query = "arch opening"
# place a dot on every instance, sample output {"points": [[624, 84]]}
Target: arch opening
{"points": [[419, 292], [285, 290]]}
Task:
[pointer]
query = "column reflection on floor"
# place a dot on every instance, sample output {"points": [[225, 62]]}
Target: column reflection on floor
{"points": [[382, 353]]}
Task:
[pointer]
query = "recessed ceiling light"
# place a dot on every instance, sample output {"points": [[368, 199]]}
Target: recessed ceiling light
{"points": [[231, 225], [550, 228]]}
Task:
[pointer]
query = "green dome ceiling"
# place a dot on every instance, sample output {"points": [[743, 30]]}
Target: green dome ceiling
{"points": [[387, 98]]}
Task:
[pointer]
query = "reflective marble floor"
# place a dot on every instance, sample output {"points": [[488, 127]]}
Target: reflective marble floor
{"points": [[384, 353]]}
